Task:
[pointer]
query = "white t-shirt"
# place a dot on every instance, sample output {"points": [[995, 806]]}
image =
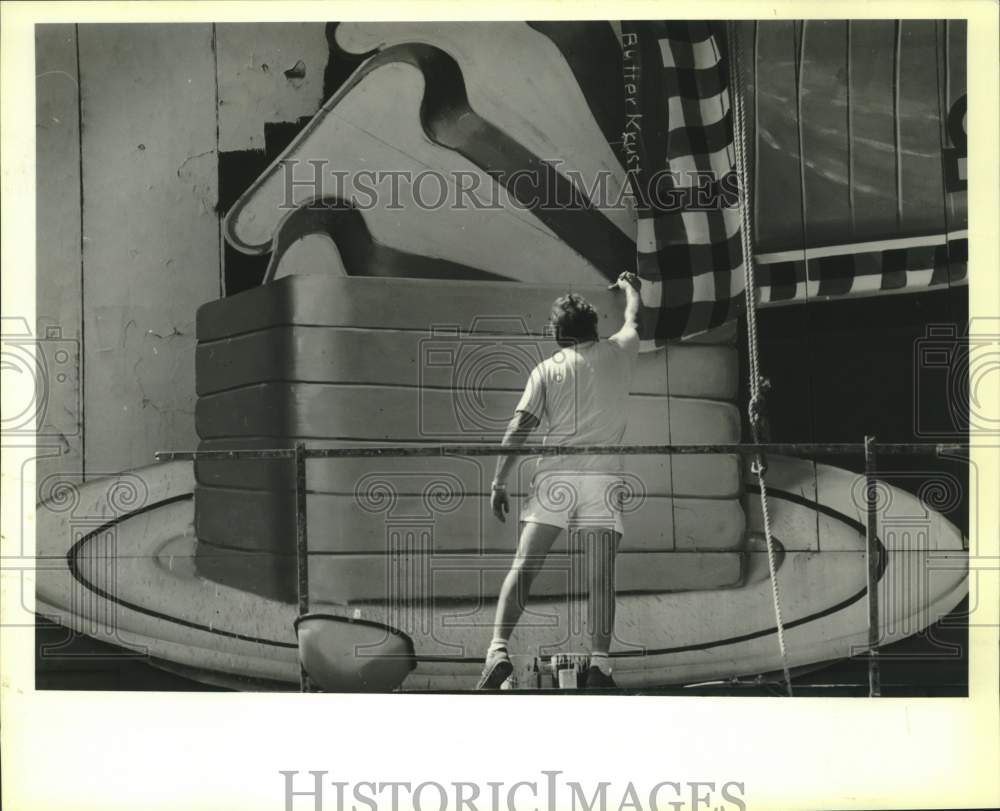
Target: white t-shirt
{"points": [[580, 397]]}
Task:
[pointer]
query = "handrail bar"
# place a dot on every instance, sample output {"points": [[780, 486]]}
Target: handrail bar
{"points": [[391, 451]]}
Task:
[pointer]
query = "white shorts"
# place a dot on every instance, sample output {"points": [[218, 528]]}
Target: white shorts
{"points": [[576, 500]]}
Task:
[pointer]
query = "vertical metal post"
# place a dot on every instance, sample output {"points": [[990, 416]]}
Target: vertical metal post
{"points": [[301, 545], [872, 553]]}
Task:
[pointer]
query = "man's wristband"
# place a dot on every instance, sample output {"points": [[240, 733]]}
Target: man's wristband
{"points": [[498, 486]]}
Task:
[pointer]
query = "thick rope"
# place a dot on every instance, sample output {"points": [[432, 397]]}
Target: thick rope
{"points": [[759, 465]]}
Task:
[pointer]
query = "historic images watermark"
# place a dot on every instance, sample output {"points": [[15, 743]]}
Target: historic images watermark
{"points": [[547, 791], [956, 369], [316, 184], [445, 554], [35, 366], [97, 560], [42, 416], [909, 507], [469, 378]]}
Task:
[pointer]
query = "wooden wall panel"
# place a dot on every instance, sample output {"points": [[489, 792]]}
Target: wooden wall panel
{"points": [[57, 249], [150, 233]]}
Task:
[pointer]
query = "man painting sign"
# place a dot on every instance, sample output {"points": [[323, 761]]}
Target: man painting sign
{"points": [[580, 397]]}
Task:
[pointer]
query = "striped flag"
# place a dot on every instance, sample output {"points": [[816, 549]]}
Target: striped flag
{"points": [[904, 265], [678, 149], [811, 178]]}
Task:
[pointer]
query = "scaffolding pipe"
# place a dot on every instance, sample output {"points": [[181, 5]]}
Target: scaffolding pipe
{"points": [[301, 547], [391, 451], [872, 554]]}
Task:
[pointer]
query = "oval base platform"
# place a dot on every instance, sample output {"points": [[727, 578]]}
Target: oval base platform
{"points": [[116, 562]]}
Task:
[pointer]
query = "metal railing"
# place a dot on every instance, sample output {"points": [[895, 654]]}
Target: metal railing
{"points": [[783, 448], [868, 449]]}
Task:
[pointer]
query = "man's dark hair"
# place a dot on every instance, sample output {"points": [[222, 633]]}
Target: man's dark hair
{"points": [[573, 319]]}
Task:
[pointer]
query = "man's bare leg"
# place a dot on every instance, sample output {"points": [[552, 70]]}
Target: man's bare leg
{"points": [[535, 542], [601, 549]]}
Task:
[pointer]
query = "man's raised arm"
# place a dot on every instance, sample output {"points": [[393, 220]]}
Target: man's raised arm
{"points": [[628, 336]]}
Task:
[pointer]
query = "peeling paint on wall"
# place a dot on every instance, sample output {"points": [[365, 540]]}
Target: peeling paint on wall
{"points": [[134, 156], [255, 87], [151, 250]]}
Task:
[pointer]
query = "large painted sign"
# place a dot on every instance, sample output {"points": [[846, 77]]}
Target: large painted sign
{"points": [[500, 151]]}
